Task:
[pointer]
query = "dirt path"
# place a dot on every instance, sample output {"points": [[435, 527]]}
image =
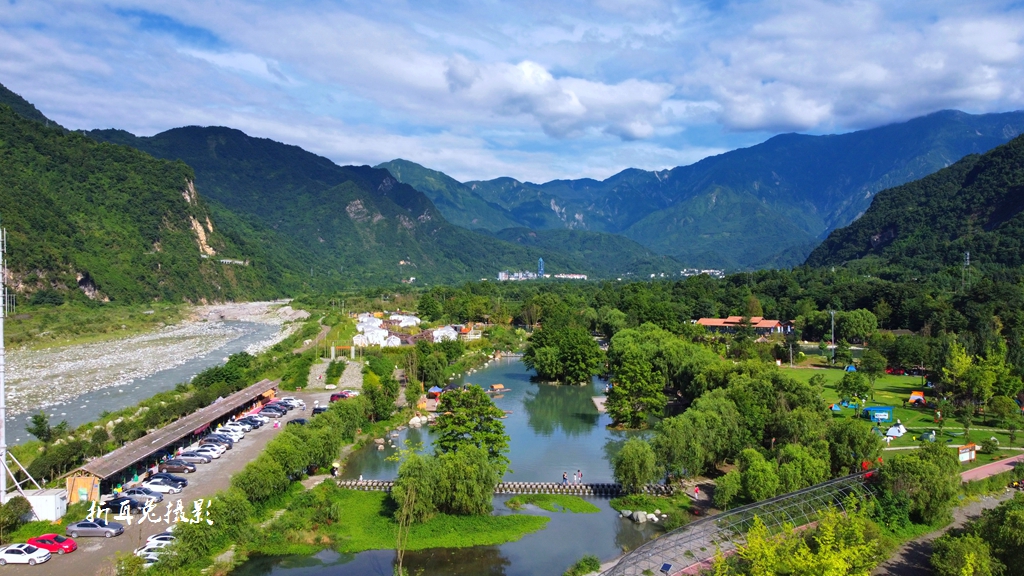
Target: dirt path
{"points": [[317, 374], [912, 559], [319, 338]]}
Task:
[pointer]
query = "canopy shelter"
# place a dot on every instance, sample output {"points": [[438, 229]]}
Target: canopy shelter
{"points": [[878, 413], [917, 397]]}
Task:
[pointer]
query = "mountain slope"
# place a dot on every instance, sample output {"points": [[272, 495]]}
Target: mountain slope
{"points": [[767, 204], [350, 225], [111, 221], [23, 107], [975, 205], [459, 204], [627, 256]]}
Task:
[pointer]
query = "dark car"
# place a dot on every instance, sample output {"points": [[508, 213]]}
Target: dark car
{"points": [[283, 405], [221, 441], [251, 422], [115, 504], [177, 466], [97, 527], [272, 413], [181, 482], [299, 421], [319, 410]]}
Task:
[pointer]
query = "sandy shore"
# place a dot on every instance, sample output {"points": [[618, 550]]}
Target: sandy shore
{"points": [[39, 378]]}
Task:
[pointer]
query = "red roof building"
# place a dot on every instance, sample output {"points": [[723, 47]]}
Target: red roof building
{"points": [[733, 323]]}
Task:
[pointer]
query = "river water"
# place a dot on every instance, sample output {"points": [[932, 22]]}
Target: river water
{"points": [[553, 429], [123, 379]]}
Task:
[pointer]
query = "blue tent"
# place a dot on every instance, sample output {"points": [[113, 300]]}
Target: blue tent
{"points": [[435, 390], [851, 368], [878, 413], [835, 408]]}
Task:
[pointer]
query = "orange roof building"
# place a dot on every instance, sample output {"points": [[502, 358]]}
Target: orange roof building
{"points": [[733, 323]]}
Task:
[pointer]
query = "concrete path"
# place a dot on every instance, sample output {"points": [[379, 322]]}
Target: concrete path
{"points": [[992, 469]]}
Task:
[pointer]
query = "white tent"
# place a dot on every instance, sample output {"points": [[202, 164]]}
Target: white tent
{"points": [[391, 342], [896, 431], [371, 324], [405, 320], [445, 333], [360, 341], [376, 336]]}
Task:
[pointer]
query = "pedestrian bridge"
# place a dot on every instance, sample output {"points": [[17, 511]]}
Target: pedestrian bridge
{"points": [[608, 490], [692, 548]]}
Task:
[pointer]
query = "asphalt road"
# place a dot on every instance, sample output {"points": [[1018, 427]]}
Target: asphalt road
{"points": [[96, 555]]}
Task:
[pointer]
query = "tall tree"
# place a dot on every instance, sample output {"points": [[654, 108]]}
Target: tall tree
{"points": [[468, 417]]}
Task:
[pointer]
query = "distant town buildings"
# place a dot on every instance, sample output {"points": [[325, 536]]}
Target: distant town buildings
{"points": [[713, 272], [506, 276], [571, 276]]}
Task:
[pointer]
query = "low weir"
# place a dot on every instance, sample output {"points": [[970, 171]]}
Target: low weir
{"points": [[608, 490]]}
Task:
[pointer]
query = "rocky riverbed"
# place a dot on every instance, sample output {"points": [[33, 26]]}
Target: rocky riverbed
{"points": [[42, 378]]}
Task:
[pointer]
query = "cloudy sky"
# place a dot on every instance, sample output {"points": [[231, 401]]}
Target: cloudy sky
{"points": [[534, 89]]}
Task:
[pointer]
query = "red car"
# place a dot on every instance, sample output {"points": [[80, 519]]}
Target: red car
{"points": [[54, 543]]}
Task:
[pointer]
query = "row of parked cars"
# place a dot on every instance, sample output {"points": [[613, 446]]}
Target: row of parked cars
{"points": [[41, 548]]}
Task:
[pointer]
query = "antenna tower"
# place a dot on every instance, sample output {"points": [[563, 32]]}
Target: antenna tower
{"points": [[6, 306]]}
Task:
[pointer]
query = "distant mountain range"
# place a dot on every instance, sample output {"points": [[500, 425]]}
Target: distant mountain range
{"points": [[976, 205], [767, 205]]}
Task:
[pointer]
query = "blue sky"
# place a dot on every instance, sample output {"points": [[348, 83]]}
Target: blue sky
{"points": [[534, 90]]}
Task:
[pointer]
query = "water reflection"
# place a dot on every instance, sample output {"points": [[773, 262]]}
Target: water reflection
{"points": [[481, 560], [566, 408]]}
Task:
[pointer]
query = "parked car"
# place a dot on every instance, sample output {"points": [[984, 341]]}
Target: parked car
{"points": [[284, 405], [177, 466], [148, 548], [299, 421], [221, 439], [117, 503], [23, 554], [194, 457], [235, 434], [143, 493], [339, 396], [272, 412], [181, 482], [258, 418], [319, 410], [161, 537], [251, 421], [149, 559], [54, 543], [212, 451], [238, 425], [162, 485], [97, 527]]}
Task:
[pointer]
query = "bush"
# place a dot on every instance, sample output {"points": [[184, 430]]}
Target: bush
{"points": [[966, 555], [585, 565], [727, 489]]}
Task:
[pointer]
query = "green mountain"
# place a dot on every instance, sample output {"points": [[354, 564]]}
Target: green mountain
{"points": [[23, 107], [456, 201], [975, 205], [617, 252], [107, 222], [339, 226], [767, 205]]}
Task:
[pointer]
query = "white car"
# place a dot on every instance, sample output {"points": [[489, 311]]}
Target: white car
{"points": [[239, 426], [161, 537], [259, 417], [151, 548], [23, 554], [150, 559], [230, 432], [162, 486], [213, 453]]}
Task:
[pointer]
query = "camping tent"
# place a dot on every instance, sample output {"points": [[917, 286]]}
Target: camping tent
{"points": [[851, 368], [896, 431], [917, 398], [835, 408]]}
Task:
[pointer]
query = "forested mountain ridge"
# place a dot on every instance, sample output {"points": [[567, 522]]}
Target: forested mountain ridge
{"points": [[333, 226], [110, 221], [766, 205], [23, 107], [975, 205]]}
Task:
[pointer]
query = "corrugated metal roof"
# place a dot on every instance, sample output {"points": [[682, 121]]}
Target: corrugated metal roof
{"points": [[140, 449]]}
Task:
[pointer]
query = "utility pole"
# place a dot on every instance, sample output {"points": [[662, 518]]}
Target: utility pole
{"points": [[833, 314]]}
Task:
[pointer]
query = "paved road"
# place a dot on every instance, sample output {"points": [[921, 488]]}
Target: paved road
{"points": [[95, 555], [992, 469]]}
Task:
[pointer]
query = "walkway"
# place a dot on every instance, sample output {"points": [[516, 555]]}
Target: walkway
{"points": [[607, 490], [991, 469]]}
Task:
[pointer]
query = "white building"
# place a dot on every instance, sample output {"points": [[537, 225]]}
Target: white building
{"points": [[445, 333]]}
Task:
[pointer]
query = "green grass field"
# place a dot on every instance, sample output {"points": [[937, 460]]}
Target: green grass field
{"points": [[892, 390]]}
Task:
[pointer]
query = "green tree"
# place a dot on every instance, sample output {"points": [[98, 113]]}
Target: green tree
{"points": [[965, 416], [637, 392], [759, 477], [823, 349], [963, 555], [679, 445], [466, 481], [843, 355], [414, 489], [12, 515], [873, 365], [429, 308], [468, 417], [929, 477], [727, 489], [635, 465], [379, 401], [1003, 407], [39, 426], [853, 385], [851, 442]]}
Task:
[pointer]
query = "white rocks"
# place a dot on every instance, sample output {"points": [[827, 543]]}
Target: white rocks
{"points": [[626, 513], [652, 518], [639, 517]]}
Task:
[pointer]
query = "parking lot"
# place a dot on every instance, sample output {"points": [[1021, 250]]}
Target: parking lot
{"points": [[94, 555]]}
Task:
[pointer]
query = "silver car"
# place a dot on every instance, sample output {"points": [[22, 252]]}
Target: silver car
{"points": [[194, 457], [97, 527]]}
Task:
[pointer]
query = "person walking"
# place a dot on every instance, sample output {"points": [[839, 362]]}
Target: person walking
{"points": [[565, 477], [580, 475], [696, 492]]}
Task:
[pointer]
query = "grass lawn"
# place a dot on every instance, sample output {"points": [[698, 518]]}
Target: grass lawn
{"points": [[553, 503], [351, 521], [892, 391]]}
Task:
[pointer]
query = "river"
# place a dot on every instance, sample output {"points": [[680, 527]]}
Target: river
{"points": [[552, 429], [79, 383]]}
